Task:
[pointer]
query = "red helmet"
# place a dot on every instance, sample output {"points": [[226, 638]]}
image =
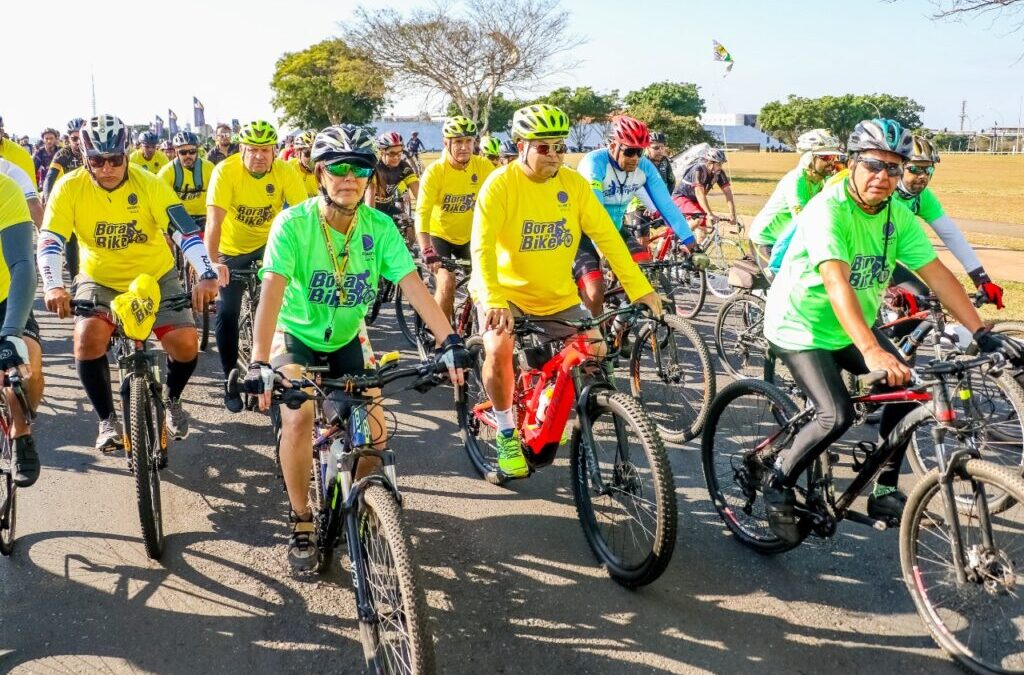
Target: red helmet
{"points": [[630, 132], [389, 139]]}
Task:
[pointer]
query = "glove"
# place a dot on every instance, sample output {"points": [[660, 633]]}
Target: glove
{"points": [[993, 293], [453, 353], [902, 300], [989, 342], [430, 255], [13, 352], [259, 378]]}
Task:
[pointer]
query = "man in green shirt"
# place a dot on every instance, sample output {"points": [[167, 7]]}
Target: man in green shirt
{"points": [[825, 298], [321, 269]]}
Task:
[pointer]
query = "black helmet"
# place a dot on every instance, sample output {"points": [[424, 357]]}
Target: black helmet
{"points": [[148, 138], [344, 143], [185, 138], [658, 137]]}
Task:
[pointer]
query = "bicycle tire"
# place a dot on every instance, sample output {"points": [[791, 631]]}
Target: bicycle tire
{"points": [[915, 568], [763, 540], [685, 370], [723, 253], [8, 494], [626, 410], [686, 288], [1014, 329], [744, 315], [378, 300], [147, 475], [245, 331], [477, 437], [379, 511]]}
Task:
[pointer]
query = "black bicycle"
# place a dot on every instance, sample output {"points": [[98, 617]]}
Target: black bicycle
{"points": [[8, 490], [464, 318], [250, 277]]}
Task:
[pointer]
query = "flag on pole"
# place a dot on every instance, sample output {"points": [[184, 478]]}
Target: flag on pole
{"points": [[172, 122], [159, 126], [198, 113], [722, 54]]}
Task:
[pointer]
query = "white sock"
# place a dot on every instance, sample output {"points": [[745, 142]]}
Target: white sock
{"points": [[505, 420]]}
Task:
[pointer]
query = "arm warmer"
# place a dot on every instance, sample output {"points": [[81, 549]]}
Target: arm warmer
{"points": [[954, 240], [50, 257], [16, 243]]}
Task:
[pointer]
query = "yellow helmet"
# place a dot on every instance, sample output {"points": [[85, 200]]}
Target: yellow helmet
{"points": [[458, 126]]}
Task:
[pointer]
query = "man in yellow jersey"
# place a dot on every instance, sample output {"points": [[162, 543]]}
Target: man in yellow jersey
{"points": [[526, 231], [300, 161], [15, 154], [121, 215], [247, 191], [189, 175], [148, 156], [444, 212]]}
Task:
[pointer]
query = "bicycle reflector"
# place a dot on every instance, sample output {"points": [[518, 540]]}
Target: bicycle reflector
{"points": [[136, 308]]}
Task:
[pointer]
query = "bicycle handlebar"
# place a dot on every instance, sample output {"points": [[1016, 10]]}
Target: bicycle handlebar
{"points": [[939, 368]]}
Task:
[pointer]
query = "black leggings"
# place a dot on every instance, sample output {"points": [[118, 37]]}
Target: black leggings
{"points": [[229, 308], [818, 372]]}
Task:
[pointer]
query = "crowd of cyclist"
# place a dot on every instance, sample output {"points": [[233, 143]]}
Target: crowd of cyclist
{"points": [[322, 221]]}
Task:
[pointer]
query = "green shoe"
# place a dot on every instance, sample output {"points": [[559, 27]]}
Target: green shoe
{"points": [[510, 455]]}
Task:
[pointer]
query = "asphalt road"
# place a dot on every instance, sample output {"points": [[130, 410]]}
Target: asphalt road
{"points": [[512, 586]]}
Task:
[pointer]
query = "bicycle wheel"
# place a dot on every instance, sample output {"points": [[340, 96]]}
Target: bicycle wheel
{"points": [[399, 640], [8, 494], [1014, 329], [473, 408], [629, 519], [405, 315], [685, 287], [383, 293], [671, 374], [144, 444], [977, 621], [743, 416], [776, 372], [739, 336], [723, 253], [245, 332]]}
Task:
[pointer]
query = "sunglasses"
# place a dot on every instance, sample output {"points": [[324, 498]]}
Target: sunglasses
{"points": [[187, 152], [827, 158], [97, 161], [920, 170], [632, 152], [548, 148], [342, 169], [891, 169]]}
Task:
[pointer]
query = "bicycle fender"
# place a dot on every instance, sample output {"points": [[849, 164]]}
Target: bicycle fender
{"points": [[356, 493]]}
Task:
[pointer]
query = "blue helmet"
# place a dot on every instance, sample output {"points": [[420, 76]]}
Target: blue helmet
{"points": [[148, 138]]}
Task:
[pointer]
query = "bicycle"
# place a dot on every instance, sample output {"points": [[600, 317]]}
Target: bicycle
{"points": [[464, 318], [365, 513], [614, 482], [739, 324], [8, 489], [681, 277], [249, 276], [386, 290], [723, 252], [145, 438]]}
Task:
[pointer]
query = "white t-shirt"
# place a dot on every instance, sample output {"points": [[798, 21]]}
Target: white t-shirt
{"points": [[18, 175]]}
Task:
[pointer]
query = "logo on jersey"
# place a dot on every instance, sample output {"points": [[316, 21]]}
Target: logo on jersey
{"points": [[563, 197], [458, 203], [867, 271], [254, 215], [367, 243], [624, 191], [472, 178], [118, 236], [545, 236], [357, 289], [270, 188], [133, 199]]}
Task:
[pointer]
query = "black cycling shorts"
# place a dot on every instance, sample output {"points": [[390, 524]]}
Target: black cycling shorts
{"points": [[587, 265], [346, 360], [31, 326], [446, 249]]}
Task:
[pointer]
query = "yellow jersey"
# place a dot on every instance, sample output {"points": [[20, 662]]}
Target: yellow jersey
{"points": [[120, 231], [18, 156], [447, 195], [153, 164], [308, 178], [251, 203], [525, 238], [13, 211], [190, 185]]}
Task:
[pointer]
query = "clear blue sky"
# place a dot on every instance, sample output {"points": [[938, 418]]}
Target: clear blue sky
{"points": [[227, 56]]}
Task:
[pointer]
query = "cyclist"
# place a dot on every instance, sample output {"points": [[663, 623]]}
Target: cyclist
{"points": [[19, 335], [224, 147], [189, 175], [121, 213], [44, 155], [657, 152], [246, 192], [300, 161], [27, 187], [509, 151], [167, 147], [413, 149], [14, 153], [66, 160], [148, 156], [490, 148], [303, 319], [444, 211], [691, 193], [822, 303], [394, 183], [528, 223], [617, 174], [820, 151]]}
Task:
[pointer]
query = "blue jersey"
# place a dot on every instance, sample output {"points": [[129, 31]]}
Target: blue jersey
{"points": [[615, 188]]}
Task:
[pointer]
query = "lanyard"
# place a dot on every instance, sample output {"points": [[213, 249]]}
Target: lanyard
{"points": [[339, 272]]}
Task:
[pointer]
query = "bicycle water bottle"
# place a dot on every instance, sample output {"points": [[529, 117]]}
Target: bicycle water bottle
{"points": [[545, 401]]}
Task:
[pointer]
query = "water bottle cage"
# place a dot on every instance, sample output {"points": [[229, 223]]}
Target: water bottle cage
{"points": [[862, 452]]}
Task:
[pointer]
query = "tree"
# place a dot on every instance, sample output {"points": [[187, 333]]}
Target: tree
{"points": [[681, 131], [998, 9], [328, 83], [502, 110], [471, 55], [584, 106], [836, 113], [679, 98]]}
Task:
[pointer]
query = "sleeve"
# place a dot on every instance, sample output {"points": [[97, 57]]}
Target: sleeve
{"points": [[594, 175], [954, 240], [52, 174], [25, 183], [16, 243], [20, 157], [430, 189], [219, 193], [598, 225], [822, 231], [58, 224], [279, 255], [781, 246], [163, 201], [663, 204], [930, 209], [166, 174], [722, 179], [794, 196], [489, 216], [396, 261], [59, 216], [912, 246], [408, 176], [294, 190]]}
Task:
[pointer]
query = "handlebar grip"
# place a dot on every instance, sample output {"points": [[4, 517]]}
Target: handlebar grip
{"points": [[294, 398], [871, 379], [232, 383]]}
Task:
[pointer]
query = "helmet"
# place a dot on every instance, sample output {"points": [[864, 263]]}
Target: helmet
{"points": [[715, 155], [458, 126], [509, 149], [147, 137], [304, 140], [166, 145], [924, 151], [539, 121], [185, 138], [75, 124], [881, 134], [344, 143], [819, 142], [104, 135], [490, 146], [389, 139], [658, 137], [258, 132], [630, 132]]}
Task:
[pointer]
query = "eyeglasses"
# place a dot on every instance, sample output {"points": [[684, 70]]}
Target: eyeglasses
{"points": [[891, 169], [182, 151], [97, 161], [919, 170], [342, 169], [394, 153], [827, 158], [548, 148], [632, 152]]}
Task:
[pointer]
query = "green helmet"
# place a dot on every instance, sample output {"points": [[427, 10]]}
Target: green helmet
{"points": [[540, 121], [458, 126], [258, 132], [490, 146]]}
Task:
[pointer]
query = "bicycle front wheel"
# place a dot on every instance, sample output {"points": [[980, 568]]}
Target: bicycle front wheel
{"points": [[145, 448], [8, 497], [624, 491], [685, 287], [474, 412], [739, 336], [245, 331], [977, 619], [398, 640], [723, 253]]}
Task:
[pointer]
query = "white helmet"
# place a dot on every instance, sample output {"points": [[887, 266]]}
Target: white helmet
{"points": [[818, 142]]}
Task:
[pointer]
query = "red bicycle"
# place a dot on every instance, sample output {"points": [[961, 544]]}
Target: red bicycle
{"points": [[621, 478]]}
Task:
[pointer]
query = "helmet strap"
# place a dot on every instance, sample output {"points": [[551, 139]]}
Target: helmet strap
{"points": [[864, 206]]}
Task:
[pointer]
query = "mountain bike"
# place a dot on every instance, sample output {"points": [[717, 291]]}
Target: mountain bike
{"points": [[365, 514], [739, 324], [387, 291], [464, 318], [250, 278], [620, 474], [139, 371], [8, 490], [190, 279], [723, 249], [680, 275], [960, 565]]}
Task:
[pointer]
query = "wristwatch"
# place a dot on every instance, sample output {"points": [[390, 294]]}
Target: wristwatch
{"points": [[208, 275]]}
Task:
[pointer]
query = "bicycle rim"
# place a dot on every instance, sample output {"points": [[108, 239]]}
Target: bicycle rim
{"points": [[686, 288], [144, 444], [474, 417], [245, 332], [739, 336], [8, 496], [723, 253]]}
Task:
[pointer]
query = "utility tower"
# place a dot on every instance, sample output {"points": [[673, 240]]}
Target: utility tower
{"points": [[963, 114]]}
